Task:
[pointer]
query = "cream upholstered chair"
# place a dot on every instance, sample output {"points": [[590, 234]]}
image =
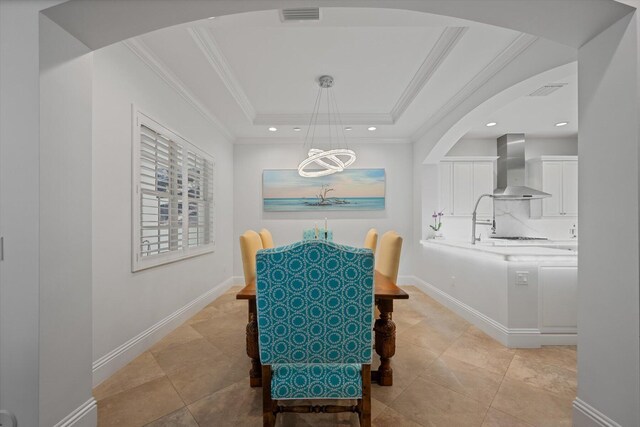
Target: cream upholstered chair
{"points": [[250, 243], [371, 239], [388, 256], [267, 238]]}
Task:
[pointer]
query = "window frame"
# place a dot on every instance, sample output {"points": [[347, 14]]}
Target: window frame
{"points": [[139, 262]]}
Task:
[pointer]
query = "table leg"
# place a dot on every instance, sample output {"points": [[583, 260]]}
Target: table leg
{"points": [[385, 331], [255, 374]]}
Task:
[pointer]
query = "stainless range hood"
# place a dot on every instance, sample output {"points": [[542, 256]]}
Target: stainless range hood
{"points": [[511, 164]]}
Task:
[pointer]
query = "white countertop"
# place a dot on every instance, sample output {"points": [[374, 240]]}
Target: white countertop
{"points": [[546, 251]]}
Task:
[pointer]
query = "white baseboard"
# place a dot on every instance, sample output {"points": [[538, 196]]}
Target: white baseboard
{"points": [[406, 280], [85, 415], [509, 337], [585, 415], [117, 358]]}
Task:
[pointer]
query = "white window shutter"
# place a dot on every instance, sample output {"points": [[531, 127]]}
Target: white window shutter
{"points": [[172, 217]]}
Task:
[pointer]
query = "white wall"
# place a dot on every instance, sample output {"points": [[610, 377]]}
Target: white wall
{"points": [[535, 147], [19, 193], [474, 147], [348, 227], [608, 303], [65, 227], [124, 303]]}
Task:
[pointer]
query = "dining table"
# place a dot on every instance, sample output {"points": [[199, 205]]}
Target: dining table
{"points": [[386, 291]]}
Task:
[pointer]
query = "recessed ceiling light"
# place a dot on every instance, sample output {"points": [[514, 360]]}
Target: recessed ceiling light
{"points": [[371, 128], [211, 17], [490, 124], [296, 129], [272, 129], [349, 128], [562, 124]]}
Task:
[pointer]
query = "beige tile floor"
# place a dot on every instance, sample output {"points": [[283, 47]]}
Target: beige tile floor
{"points": [[446, 373]]}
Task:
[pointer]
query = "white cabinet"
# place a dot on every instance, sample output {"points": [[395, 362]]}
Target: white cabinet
{"points": [[446, 187], [558, 176], [483, 183], [570, 188], [462, 181], [462, 188]]}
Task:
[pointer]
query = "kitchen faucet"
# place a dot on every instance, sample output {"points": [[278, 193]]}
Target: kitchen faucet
{"points": [[474, 220]]}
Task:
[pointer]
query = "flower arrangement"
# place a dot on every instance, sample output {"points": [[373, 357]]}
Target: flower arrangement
{"points": [[437, 220]]}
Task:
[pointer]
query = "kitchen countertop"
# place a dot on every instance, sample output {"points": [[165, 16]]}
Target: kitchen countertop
{"points": [[556, 251]]}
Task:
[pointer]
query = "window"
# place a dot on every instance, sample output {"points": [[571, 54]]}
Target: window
{"points": [[172, 196]]}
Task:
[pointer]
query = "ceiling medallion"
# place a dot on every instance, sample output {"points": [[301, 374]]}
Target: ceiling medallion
{"points": [[331, 158]]}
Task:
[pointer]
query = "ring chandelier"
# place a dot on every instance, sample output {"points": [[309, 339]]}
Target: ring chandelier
{"points": [[321, 162]]}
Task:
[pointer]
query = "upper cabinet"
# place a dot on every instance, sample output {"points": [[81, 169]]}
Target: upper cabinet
{"points": [[462, 181], [558, 176]]}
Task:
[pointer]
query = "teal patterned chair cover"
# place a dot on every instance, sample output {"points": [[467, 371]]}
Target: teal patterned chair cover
{"points": [[315, 318], [310, 234]]}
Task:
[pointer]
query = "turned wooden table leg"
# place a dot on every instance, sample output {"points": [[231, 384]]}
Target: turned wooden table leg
{"points": [[385, 337], [255, 374]]}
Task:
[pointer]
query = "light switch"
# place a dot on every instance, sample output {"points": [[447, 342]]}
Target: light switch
{"points": [[522, 277]]}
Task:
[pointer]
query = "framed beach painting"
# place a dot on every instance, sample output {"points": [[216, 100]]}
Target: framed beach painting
{"points": [[283, 190]]}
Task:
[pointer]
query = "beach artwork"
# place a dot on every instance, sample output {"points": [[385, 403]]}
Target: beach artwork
{"points": [[283, 190]]}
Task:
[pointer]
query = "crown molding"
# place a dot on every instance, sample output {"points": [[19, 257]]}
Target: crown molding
{"points": [[437, 55], [208, 46], [300, 141], [521, 43], [323, 119], [142, 51]]}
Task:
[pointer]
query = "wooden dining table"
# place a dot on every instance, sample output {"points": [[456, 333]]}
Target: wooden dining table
{"points": [[386, 291]]}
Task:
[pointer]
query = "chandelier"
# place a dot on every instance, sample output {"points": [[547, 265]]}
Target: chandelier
{"points": [[328, 158]]}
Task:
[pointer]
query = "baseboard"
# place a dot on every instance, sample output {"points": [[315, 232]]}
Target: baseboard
{"points": [[406, 280], [585, 415], [117, 358], [509, 337], [85, 415]]}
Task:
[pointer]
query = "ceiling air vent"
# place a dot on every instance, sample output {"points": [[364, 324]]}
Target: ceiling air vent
{"points": [[300, 14], [547, 89]]}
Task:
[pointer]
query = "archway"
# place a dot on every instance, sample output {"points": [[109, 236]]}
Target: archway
{"points": [[608, 52]]}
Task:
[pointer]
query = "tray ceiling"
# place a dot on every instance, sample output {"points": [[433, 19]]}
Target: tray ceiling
{"points": [[396, 70]]}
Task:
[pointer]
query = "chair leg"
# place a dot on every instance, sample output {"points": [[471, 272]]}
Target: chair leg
{"points": [[268, 415], [365, 402]]}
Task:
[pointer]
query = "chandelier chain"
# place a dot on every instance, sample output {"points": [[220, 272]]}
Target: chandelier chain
{"points": [[334, 159]]}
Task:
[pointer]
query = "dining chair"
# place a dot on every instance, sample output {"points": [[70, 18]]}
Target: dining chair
{"points": [[371, 239], [267, 238], [388, 256], [315, 318], [319, 234], [250, 243]]}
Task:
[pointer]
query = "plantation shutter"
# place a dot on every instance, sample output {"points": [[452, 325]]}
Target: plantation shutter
{"points": [[162, 233], [200, 195]]}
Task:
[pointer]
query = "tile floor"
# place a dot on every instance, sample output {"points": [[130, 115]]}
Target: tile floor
{"points": [[446, 373]]}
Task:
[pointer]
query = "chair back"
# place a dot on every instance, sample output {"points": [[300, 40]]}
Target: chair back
{"points": [[250, 243], [371, 239], [315, 303], [388, 257], [267, 238], [310, 234]]}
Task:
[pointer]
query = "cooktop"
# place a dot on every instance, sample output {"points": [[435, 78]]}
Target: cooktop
{"points": [[520, 238]]}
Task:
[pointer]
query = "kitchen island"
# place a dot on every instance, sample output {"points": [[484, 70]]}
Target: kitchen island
{"points": [[522, 294]]}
